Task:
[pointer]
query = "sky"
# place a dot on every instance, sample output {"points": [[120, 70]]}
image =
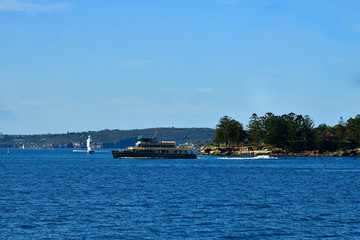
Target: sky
{"points": [[86, 65]]}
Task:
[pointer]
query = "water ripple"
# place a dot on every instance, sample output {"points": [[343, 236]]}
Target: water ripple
{"points": [[64, 195]]}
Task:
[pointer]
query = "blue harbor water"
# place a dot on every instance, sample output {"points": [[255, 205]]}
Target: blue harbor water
{"points": [[62, 194]]}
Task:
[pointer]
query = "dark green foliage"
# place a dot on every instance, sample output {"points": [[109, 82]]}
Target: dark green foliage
{"points": [[108, 138], [229, 131], [292, 132], [289, 131], [255, 130], [352, 131], [324, 138], [276, 130]]}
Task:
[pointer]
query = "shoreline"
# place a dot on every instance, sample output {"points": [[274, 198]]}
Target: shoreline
{"points": [[236, 151]]}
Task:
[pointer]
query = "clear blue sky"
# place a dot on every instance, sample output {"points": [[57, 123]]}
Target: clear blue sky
{"points": [[79, 65]]}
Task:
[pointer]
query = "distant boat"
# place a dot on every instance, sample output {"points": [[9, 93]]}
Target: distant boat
{"points": [[23, 146], [151, 148], [88, 144]]}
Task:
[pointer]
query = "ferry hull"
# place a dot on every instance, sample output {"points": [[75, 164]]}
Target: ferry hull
{"points": [[127, 154]]}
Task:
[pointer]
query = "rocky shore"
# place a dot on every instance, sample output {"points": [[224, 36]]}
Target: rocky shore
{"points": [[240, 151]]}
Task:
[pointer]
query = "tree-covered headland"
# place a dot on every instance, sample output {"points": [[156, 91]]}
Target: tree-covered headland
{"points": [[108, 138], [288, 132]]}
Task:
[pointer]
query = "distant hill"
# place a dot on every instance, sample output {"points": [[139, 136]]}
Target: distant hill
{"points": [[108, 138]]}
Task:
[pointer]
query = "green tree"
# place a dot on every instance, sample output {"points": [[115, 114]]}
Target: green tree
{"points": [[276, 130], [324, 138], [340, 129], [352, 131], [300, 132], [307, 132], [255, 130], [237, 133], [229, 131], [291, 124]]}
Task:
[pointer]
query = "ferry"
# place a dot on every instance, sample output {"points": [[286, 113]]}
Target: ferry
{"points": [[151, 148]]}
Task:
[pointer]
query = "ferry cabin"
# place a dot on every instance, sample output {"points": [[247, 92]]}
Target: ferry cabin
{"points": [[160, 151], [151, 148]]}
